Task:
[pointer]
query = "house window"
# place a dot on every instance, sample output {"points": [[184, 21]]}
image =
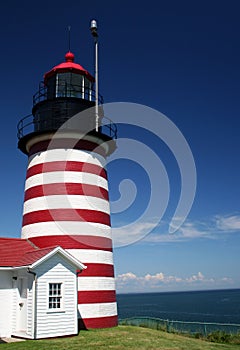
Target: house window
{"points": [[55, 296]]}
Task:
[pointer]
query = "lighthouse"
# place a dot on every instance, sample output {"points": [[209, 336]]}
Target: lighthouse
{"points": [[66, 199]]}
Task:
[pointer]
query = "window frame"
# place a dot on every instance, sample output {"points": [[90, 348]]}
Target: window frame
{"points": [[58, 295]]}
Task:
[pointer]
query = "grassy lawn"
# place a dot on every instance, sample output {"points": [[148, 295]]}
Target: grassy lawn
{"points": [[121, 337]]}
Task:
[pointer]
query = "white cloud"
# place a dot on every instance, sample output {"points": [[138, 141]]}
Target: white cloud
{"points": [[131, 234], [127, 276], [193, 230], [198, 277], [227, 279], [158, 277], [228, 223], [212, 228], [189, 230], [139, 231], [129, 282]]}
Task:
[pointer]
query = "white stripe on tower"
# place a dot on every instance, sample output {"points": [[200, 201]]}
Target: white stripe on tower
{"points": [[66, 203], [65, 177], [72, 227]]}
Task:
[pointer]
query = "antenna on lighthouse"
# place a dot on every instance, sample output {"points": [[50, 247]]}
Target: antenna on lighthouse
{"points": [[69, 38], [94, 32]]}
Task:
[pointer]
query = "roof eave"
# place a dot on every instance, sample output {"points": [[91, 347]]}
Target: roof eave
{"points": [[64, 253], [9, 268], [54, 71]]}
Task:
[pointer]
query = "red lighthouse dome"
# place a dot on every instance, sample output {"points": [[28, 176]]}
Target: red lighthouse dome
{"points": [[68, 66], [66, 190]]}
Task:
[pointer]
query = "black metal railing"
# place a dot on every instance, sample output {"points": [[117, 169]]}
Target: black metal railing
{"points": [[65, 90], [31, 124], [25, 126]]}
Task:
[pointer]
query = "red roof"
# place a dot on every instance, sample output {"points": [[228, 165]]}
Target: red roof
{"points": [[16, 252], [31, 257], [69, 66]]}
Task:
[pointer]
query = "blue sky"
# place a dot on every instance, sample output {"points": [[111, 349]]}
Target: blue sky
{"points": [[179, 58]]}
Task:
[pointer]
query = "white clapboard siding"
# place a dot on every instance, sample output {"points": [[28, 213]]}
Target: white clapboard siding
{"points": [[6, 300], [14, 303], [64, 322], [30, 317]]}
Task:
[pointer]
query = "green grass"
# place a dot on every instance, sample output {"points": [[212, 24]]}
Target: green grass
{"points": [[121, 337]]}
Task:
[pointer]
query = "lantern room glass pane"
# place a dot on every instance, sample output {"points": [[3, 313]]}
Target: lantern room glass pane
{"points": [[69, 85], [87, 89]]}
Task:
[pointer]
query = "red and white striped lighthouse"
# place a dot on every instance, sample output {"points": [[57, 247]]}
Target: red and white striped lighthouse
{"points": [[66, 192]]}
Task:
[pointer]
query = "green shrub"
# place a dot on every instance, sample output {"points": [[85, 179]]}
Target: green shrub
{"points": [[219, 337], [198, 335]]}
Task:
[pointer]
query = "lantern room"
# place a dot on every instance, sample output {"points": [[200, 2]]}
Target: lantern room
{"points": [[69, 79], [67, 89]]}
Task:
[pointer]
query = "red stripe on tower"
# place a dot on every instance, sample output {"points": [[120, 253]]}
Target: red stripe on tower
{"points": [[103, 322], [67, 143], [74, 242], [65, 189], [66, 166], [58, 214], [96, 297]]}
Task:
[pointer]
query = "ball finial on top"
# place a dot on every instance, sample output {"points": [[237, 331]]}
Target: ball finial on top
{"points": [[69, 57]]}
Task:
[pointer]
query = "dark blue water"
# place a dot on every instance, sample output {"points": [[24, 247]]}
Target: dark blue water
{"points": [[222, 306]]}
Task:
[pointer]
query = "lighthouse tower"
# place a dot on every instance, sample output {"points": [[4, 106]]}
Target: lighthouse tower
{"points": [[66, 191]]}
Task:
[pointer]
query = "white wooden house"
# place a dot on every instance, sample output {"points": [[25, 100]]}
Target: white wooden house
{"points": [[38, 290]]}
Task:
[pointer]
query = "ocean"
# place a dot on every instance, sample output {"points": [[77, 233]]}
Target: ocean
{"points": [[221, 306]]}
